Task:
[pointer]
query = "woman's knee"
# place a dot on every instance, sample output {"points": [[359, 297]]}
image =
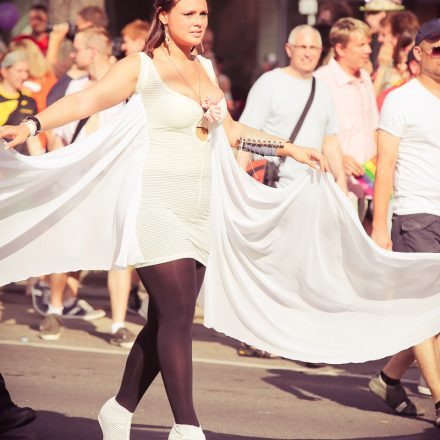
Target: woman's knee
{"points": [[178, 317]]}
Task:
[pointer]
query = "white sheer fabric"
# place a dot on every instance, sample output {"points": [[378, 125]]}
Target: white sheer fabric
{"points": [[73, 208], [291, 270]]}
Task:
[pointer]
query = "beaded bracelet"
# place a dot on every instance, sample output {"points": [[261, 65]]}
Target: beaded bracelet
{"points": [[263, 148]]}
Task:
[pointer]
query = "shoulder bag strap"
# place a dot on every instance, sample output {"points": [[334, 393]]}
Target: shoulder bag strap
{"points": [[304, 113], [78, 128]]}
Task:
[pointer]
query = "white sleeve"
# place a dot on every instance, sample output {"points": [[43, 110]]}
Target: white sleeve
{"points": [[392, 116], [258, 103]]}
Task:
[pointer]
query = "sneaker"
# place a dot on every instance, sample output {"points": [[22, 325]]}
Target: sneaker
{"points": [[134, 302], [394, 396], [50, 328], [123, 338], [115, 420], [40, 297], [422, 387], [81, 309]]}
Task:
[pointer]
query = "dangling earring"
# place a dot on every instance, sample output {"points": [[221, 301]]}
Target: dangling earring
{"points": [[167, 39], [202, 49]]}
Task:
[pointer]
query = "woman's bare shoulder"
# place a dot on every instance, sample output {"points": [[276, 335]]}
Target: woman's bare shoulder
{"points": [[128, 67]]}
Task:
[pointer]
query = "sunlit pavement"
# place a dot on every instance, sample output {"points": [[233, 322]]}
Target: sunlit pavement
{"points": [[66, 381]]}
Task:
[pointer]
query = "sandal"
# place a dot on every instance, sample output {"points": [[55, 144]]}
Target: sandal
{"points": [[249, 351]]}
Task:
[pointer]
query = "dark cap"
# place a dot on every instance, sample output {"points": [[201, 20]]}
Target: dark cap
{"points": [[428, 31]]}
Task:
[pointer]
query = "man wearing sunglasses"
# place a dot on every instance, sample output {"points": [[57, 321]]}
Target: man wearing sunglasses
{"points": [[408, 166]]}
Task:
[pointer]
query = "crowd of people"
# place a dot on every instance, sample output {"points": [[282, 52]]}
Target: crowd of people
{"points": [[29, 84], [364, 93], [343, 121]]}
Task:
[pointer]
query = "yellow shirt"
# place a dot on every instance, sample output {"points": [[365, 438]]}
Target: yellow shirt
{"points": [[14, 107]]}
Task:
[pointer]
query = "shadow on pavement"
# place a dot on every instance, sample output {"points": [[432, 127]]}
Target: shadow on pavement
{"points": [[345, 390], [55, 426], [201, 333], [350, 391]]}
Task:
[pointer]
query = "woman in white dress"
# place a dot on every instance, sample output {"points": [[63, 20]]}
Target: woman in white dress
{"points": [[182, 103]]}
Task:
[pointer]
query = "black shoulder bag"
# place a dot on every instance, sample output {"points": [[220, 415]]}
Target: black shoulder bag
{"points": [[271, 168]]}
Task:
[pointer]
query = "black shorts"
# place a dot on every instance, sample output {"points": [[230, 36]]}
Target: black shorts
{"points": [[416, 233]]}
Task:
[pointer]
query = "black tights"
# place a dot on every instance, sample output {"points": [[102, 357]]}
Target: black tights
{"points": [[165, 344]]}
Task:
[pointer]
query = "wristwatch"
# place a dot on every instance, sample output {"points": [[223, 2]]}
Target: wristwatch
{"points": [[33, 123]]}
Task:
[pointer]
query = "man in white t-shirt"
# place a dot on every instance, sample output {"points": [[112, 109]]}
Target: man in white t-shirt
{"points": [[408, 166], [275, 104], [277, 100]]}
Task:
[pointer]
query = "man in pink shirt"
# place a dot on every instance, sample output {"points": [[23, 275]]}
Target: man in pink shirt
{"points": [[353, 98]]}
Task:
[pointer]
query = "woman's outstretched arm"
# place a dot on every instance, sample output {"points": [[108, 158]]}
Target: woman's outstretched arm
{"points": [[118, 84], [249, 139]]}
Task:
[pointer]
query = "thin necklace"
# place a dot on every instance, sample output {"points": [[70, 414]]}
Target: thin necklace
{"points": [[189, 85]]}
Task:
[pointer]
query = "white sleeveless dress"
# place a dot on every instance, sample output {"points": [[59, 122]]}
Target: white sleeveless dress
{"points": [[173, 220]]}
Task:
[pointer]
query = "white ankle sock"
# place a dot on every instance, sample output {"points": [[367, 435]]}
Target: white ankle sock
{"points": [[115, 421], [116, 326], [54, 310], [186, 432]]}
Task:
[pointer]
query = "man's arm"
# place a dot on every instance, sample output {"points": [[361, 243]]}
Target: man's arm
{"points": [[35, 147], [332, 151], [56, 38], [387, 148]]}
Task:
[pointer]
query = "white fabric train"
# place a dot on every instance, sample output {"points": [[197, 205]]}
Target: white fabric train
{"points": [[291, 270]]}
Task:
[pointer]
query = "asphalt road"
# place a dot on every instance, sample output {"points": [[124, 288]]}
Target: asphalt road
{"points": [[67, 381]]}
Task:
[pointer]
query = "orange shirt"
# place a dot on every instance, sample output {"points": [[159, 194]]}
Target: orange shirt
{"points": [[46, 83]]}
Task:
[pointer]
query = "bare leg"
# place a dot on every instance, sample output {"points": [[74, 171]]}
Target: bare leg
{"points": [[58, 282], [399, 363], [428, 358], [119, 282], [72, 287], [63, 284]]}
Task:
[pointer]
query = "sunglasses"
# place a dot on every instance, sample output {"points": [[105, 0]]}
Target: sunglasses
{"points": [[39, 18], [432, 51]]}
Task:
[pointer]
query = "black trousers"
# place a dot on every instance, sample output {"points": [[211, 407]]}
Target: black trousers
{"points": [[5, 398]]}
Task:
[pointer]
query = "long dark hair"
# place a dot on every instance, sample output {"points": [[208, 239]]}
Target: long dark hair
{"points": [[156, 35]]}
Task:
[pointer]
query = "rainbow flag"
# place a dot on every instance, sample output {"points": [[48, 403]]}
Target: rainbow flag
{"points": [[367, 180]]}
